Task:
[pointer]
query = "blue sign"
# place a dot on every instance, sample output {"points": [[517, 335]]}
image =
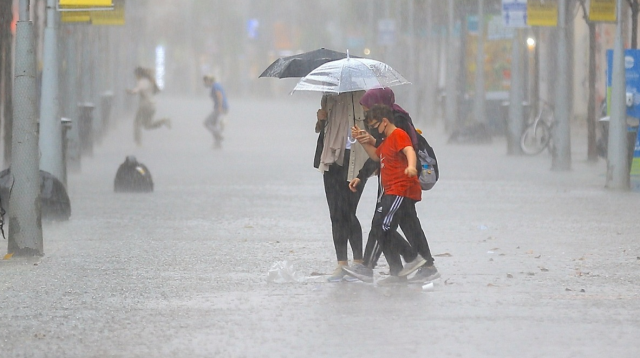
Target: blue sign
{"points": [[632, 75], [635, 166], [473, 25], [386, 32], [514, 13], [252, 28]]}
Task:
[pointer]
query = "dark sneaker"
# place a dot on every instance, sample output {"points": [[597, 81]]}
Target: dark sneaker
{"points": [[337, 274], [425, 274], [360, 272], [348, 278], [409, 267], [392, 280]]}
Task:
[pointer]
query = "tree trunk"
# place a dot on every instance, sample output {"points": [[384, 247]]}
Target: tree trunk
{"points": [[592, 154], [6, 74]]}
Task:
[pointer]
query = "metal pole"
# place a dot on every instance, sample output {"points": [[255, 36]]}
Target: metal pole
{"points": [[85, 118], [617, 166], [412, 58], [535, 97], [516, 96], [387, 16], [25, 224], [430, 80], [561, 159], [73, 148], [373, 29], [97, 71], [479, 102], [451, 108], [50, 125]]}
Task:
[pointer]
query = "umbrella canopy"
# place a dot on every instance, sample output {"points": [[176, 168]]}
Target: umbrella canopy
{"points": [[300, 65], [350, 74]]}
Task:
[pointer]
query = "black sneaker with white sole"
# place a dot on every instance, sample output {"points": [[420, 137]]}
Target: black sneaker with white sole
{"points": [[425, 274]]}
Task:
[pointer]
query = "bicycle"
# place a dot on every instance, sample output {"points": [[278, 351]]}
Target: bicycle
{"points": [[538, 134]]}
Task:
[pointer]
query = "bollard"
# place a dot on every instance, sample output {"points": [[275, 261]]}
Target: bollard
{"points": [[66, 126], [106, 103], [634, 171], [633, 124], [514, 147], [85, 127]]}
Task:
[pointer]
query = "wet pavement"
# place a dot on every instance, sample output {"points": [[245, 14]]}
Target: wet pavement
{"points": [[534, 263]]}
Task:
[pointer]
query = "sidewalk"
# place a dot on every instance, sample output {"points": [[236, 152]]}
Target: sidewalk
{"points": [[534, 263]]}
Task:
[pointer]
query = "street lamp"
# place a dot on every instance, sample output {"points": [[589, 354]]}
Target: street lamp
{"points": [[531, 43]]}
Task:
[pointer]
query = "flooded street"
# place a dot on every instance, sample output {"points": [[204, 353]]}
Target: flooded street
{"points": [[534, 263]]}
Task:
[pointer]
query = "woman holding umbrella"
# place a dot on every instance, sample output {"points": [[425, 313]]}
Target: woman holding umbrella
{"points": [[346, 80], [340, 162]]}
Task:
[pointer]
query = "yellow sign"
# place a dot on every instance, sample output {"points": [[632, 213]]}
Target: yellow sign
{"points": [[114, 17], [602, 10], [542, 13], [75, 17], [85, 3], [105, 17]]}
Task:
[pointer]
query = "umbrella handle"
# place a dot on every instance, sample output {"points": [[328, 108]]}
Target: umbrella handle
{"points": [[353, 106]]}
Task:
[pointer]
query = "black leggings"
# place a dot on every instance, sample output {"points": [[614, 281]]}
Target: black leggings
{"points": [[343, 203]]}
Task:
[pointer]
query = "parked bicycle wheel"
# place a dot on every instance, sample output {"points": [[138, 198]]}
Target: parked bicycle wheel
{"points": [[535, 138]]}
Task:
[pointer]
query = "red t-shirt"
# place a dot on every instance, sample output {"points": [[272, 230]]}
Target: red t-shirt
{"points": [[393, 164]]}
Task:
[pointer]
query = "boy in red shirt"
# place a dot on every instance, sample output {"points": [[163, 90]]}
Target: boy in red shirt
{"points": [[401, 191]]}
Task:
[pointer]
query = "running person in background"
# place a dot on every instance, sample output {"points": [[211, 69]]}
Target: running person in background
{"points": [[146, 87], [214, 122]]}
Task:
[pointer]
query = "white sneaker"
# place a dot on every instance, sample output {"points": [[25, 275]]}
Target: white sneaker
{"points": [[337, 275], [409, 267]]}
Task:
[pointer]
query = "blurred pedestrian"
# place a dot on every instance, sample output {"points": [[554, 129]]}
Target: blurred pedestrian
{"points": [[146, 87], [401, 191], [215, 122], [340, 162]]}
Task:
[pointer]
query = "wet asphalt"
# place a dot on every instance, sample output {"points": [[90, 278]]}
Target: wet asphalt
{"points": [[534, 263]]}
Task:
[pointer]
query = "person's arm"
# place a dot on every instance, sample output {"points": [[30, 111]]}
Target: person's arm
{"points": [[136, 89], [368, 169], [353, 184], [410, 153], [321, 115], [371, 150], [367, 142], [219, 100]]}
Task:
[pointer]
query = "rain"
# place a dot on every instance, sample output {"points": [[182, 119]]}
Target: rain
{"points": [[161, 199]]}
